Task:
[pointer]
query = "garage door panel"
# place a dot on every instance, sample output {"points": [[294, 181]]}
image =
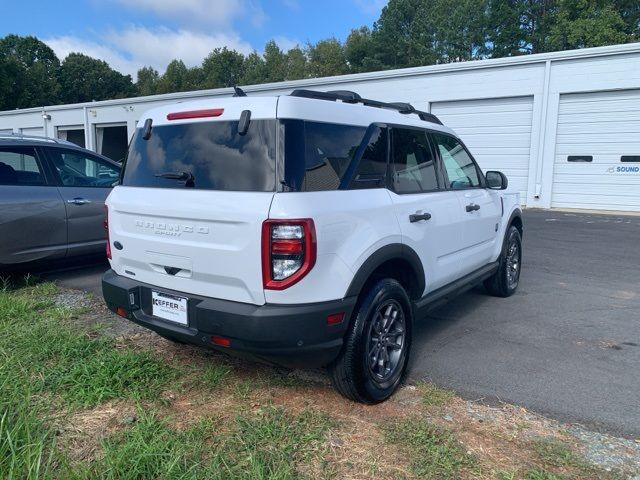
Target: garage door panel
{"points": [[593, 128], [605, 126], [598, 202], [489, 118], [498, 133]]}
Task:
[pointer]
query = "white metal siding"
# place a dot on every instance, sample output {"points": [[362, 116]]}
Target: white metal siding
{"points": [[604, 125], [497, 132]]}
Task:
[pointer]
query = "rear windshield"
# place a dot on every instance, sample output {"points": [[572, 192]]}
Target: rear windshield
{"points": [[204, 155]]}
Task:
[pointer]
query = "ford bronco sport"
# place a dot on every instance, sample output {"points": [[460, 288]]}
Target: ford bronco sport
{"points": [[310, 230]]}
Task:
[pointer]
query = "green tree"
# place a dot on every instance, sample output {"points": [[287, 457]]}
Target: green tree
{"points": [[404, 35], [174, 78], [275, 63], [586, 23], [147, 83], [460, 29], [31, 69], [296, 64], [326, 58], [223, 68], [359, 51], [504, 28], [83, 79], [12, 80], [254, 69]]}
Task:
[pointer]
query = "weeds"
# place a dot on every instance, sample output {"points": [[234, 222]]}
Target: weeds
{"points": [[434, 452]]}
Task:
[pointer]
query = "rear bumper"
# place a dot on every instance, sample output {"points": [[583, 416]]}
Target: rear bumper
{"points": [[288, 335]]}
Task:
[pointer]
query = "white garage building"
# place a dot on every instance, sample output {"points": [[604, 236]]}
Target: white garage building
{"points": [[563, 126]]}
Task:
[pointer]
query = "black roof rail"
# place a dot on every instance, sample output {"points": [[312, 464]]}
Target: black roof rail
{"points": [[348, 96]]}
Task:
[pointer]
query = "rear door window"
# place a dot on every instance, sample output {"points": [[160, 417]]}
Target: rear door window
{"points": [[20, 166], [204, 155], [412, 162]]}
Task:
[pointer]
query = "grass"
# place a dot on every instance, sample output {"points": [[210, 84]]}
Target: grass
{"points": [[434, 452], [433, 396], [65, 385]]}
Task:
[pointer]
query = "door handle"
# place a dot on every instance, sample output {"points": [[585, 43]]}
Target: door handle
{"points": [[78, 201], [472, 207], [416, 217]]}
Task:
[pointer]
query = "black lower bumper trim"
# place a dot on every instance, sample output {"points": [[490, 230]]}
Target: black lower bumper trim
{"points": [[289, 335]]}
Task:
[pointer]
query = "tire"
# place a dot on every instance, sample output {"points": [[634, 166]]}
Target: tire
{"points": [[504, 282], [354, 373]]}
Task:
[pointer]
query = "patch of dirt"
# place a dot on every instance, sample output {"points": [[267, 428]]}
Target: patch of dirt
{"points": [[84, 430]]}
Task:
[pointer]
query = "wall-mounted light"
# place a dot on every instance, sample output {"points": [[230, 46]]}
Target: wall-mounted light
{"points": [[46, 116]]}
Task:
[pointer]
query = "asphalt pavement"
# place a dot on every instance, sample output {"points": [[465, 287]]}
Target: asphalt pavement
{"points": [[567, 344]]}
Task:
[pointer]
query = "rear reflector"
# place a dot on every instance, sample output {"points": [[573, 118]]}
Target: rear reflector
{"points": [[220, 341], [121, 311], [211, 112], [335, 318]]}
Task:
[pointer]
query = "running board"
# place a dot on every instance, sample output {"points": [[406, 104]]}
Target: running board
{"points": [[455, 288]]}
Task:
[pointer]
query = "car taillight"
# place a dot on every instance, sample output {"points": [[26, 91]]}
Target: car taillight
{"points": [[105, 224], [288, 252]]}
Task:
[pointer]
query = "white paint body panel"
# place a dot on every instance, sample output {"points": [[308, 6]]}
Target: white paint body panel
{"points": [[214, 237]]}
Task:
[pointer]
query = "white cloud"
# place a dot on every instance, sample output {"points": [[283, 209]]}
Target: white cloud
{"points": [[371, 7], [220, 13], [286, 43], [135, 47]]}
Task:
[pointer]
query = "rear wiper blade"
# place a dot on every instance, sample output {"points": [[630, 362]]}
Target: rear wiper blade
{"points": [[187, 177], [176, 175]]}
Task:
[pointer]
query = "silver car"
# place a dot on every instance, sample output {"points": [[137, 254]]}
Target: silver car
{"points": [[52, 195]]}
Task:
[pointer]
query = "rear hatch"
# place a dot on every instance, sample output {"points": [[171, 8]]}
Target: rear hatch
{"points": [[194, 194]]}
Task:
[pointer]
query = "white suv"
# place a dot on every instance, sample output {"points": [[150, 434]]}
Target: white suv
{"points": [[308, 230]]}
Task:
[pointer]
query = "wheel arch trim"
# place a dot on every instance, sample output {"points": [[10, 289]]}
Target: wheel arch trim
{"points": [[393, 251]]}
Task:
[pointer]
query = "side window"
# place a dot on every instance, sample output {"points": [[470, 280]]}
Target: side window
{"points": [[412, 162], [79, 170], [326, 150], [460, 167], [19, 166], [372, 168]]}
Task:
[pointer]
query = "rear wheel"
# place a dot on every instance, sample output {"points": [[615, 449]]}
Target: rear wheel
{"points": [[504, 282], [374, 357]]}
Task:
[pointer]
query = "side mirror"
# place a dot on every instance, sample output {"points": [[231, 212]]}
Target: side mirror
{"points": [[496, 180]]}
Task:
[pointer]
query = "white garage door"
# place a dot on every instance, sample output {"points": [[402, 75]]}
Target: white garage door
{"points": [[597, 162], [498, 133], [36, 131]]}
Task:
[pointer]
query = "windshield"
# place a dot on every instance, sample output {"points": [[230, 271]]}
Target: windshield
{"points": [[204, 155]]}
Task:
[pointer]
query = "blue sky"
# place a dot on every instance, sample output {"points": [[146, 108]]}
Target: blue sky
{"points": [[130, 34]]}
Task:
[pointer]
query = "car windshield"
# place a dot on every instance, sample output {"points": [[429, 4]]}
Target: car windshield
{"points": [[204, 155]]}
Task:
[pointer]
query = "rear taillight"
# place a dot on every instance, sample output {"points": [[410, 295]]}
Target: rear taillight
{"points": [[288, 252], [105, 224]]}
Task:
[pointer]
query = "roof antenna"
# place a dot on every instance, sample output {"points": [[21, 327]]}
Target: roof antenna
{"points": [[238, 92]]}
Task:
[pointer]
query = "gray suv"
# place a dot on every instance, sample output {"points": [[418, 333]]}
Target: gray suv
{"points": [[52, 195]]}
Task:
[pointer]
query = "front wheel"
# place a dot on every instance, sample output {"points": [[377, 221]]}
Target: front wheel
{"points": [[504, 282], [376, 350]]}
